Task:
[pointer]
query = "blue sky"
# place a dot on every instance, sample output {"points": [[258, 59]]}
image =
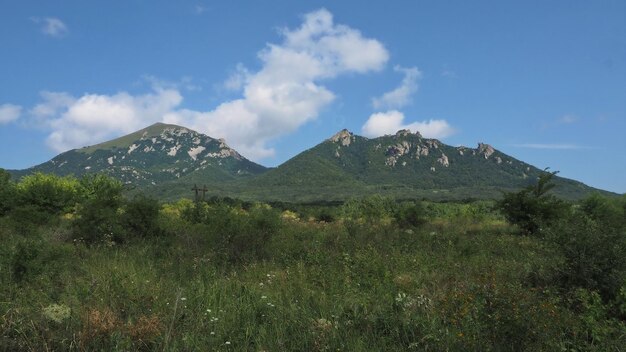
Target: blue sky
{"points": [[543, 81]]}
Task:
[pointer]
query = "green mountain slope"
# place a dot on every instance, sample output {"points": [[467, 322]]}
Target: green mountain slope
{"points": [[404, 165], [167, 160], [153, 155]]}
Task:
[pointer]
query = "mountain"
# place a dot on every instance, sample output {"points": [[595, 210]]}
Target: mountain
{"points": [[153, 155], [167, 160], [404, 165]]}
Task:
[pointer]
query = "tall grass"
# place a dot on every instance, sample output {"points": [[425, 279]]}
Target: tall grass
{"points": [[463, 280]]}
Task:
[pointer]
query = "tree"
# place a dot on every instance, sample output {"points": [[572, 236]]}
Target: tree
{"points": [[7, 192], [49, 193], [140, 217], [97, 216], [532, 207]]}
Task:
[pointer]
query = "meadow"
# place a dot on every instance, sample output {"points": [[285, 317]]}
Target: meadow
{"points": [[84, 268]]}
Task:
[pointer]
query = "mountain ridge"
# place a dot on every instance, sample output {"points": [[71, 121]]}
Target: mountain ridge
{"points": [[165, 159]]}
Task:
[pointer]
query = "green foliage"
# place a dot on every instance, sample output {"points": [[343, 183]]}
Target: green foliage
{"points": [[234, 276], [608, 211], [35, 260], [7, 192], [141, 217], [532, 208], [238, 237], [49, 193], [409, 214], [368, 209], [97, 217], [593, 252]]}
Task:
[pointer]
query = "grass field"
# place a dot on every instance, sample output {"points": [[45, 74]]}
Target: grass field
{"points": [[228, 278]]}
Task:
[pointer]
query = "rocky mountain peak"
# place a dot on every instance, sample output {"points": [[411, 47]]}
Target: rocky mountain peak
{"points": [[157, 153], [406, 132], [344, 137], [485, 149]]}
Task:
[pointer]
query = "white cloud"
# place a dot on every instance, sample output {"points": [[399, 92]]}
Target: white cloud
{"points": [[51, 26], [567, 119], [94, 118], [551, 146], [390, 122], [237, 79], [401, 96], [9, 113], [52, 103], [286, 92], [276, 100]]}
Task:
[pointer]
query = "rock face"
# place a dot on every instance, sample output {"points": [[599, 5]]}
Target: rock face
{"points": [[443, 160], [411, 145], [485, 149], [344, 137], [405, 148]]}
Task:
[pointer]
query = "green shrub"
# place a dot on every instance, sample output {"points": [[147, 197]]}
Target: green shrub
{"points": [[608, 211], [409, 214], [369, 209], [97, 217], [242, 237], [195, 213], [532, 208], [325, 215], [593, 253], [7, 192], [141, 217], [48, 192]]}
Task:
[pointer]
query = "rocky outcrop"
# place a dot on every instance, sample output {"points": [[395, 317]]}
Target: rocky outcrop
{"points": [[396, 151], [405, 132], [344, 137], [485, 150], [443, 160]]}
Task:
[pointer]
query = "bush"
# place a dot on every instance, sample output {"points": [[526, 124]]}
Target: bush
{"points": [[7, 192], [410, 214], [593, 253], [608, 211], [532, 208], [141, 217], [242, 237], [369, 209], [50, 193], [97, 216]]}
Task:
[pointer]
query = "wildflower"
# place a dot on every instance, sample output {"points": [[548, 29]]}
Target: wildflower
{"points": [[57, 312]]}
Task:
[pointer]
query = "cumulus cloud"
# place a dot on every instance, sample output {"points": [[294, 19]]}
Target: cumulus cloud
{"points": [[390, 122], [9, 113], [401, 96], [285, 93], [237, 79], [51, 26], [93, 118]]}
